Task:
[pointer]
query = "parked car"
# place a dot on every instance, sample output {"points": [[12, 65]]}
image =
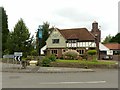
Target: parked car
{"points": [[107, 57]]}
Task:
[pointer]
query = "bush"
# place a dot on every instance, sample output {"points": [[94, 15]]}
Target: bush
{"points": [[34, 53], [52, 57], [91, 52], [71, 54], [46, 62]]}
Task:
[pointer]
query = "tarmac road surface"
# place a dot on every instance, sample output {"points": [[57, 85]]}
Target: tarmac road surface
{"points": [[101, 78]]}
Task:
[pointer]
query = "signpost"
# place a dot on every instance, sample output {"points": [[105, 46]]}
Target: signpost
{"points": [[17, 56], [8, 58], [39, 35], [17, 53]]}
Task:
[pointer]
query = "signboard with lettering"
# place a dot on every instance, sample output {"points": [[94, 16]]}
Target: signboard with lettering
{"points": [[8, 56], [40, 33], [17, 53]]}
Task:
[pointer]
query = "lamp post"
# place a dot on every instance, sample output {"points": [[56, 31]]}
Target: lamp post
{"points": [[39, 35]]}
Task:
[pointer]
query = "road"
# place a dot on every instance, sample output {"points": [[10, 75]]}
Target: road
{"points": [[102, 78]]}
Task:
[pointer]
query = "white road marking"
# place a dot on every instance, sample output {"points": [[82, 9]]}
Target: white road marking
{"points": [[90, 82]]}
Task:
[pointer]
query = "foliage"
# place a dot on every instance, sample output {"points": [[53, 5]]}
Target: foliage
{"points": [[34, 53], [91, 52], [112, 39], [107, 39], [5, 30], [71, 54], [52, 57], [6, 51], [46, 31], [46, 62], [10, 42], [45, 34], [116, 38], [92, 55], [19, 40]]}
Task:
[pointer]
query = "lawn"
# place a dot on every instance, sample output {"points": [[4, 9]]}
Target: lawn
{"points": [[86, 62]]}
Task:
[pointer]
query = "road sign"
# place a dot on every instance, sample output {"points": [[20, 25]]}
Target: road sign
{"points": [[17, 53], [40, 34], [17, 58], [8, 56]]}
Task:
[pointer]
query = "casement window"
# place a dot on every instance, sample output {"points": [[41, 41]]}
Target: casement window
{"points": [[54, 52], [72, 41], [80, 51], [55, 41]]}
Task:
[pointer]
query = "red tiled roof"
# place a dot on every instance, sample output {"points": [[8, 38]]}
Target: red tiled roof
{"points": [[113, 46], [81, 34]]}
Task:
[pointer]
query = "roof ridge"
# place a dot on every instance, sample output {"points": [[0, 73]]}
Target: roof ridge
{"points": [[73, 29]]}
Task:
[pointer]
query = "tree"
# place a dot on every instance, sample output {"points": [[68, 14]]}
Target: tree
{"points": [[5, 30], [92, 54], [107, 39], [10, 42], [45, 33], [116, 38], [20, 38]]}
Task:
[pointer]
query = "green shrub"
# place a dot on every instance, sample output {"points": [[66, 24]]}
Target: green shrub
{"points": [[92, 55], [52, 57], [34, 53], [91, 52], [46, 62], [71, 54]]}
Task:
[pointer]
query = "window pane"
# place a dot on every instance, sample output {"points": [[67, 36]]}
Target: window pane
{"points": [[55, 40]]}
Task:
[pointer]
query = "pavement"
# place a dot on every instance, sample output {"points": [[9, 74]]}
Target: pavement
{"points": [[37, 69]]}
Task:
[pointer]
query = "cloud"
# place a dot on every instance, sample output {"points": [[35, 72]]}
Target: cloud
{"points": [[75, 15]]}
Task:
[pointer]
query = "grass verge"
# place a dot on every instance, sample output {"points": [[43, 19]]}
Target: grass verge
{"points": [[85, 63]]}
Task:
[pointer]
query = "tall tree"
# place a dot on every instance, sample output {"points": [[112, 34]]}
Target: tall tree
{"points": [[21, 38], [116, 38], [107, 39], [45, 33], [5, 30]]}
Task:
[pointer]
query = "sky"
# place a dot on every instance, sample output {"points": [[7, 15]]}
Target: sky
{"points": [[64, 14]]}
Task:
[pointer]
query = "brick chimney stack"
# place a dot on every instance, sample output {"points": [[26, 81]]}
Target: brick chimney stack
{"points": [[95, 31]]}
